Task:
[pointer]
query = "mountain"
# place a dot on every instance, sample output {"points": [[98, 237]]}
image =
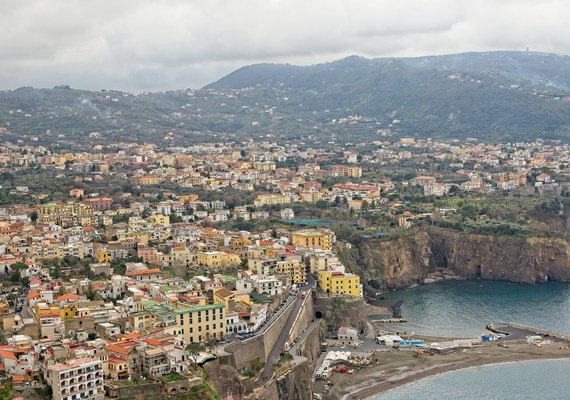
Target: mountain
{"points": [[502, 96], [529, 67]]}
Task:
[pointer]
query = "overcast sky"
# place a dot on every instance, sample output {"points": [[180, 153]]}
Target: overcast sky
{"points": [[138, 45]]}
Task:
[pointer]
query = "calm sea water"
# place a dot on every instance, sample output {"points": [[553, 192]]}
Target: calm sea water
{"points": [[529, 380], [463, 308]]}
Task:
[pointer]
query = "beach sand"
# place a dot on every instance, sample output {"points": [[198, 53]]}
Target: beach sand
{"points": [[399, 367]]}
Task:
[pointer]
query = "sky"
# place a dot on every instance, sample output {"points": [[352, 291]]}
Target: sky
{"points": [[151, 45]]}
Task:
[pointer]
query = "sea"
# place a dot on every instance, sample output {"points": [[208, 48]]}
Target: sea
{"points": [[463, 309], [526, 380]]}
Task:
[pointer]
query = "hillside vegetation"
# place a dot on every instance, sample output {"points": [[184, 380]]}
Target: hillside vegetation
{"points": [[502, 96]]}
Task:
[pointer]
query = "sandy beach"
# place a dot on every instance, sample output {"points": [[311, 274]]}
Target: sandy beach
{"points": [[399, 367]]}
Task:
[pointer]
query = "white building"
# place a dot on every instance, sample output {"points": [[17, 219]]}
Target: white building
{"points": [[269, 285], [287, 214], [76, 379]]}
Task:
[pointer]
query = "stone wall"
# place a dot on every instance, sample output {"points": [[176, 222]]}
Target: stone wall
{"points": [[258, 348], [148, 391], [306, 315]]}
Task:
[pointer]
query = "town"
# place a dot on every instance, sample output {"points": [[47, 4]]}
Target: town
{"points": [[141, 269]]}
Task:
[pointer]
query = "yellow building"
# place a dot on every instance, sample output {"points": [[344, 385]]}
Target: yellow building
{"points": [[103, 256], [313, 238], [7, 317], [239, 242], [44, 310], [217, 259], [321, 261], [141, 237], [270, 199], [195, 324], [147, 180], [294, 269], [67, 214], [346, 170], [311, 197], [264, 165], [223, 296], [159, 219], [188, 198], [340, 283]]}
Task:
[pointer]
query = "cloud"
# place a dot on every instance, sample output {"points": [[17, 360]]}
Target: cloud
{"points": [[141, 45]]}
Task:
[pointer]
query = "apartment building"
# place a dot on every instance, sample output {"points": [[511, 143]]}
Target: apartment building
{"points": [[76, 379], [195, 324], [67, 214], [336, 282], [313, 238]]}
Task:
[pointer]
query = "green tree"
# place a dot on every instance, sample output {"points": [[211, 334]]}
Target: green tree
{"points": [[193, 351], [6, 393]]}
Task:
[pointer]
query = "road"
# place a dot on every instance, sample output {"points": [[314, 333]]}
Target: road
{"points": [[279, 345], [312, 326], [311, 284]]}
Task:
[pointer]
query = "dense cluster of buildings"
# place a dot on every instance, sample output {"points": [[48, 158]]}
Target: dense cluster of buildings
{"points": [[117, 283]]}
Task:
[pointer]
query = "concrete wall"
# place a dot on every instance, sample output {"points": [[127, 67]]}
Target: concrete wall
{"points": [[86, 323], [297, 382], [259, 347], [306, 315], [544, 332], [247, 351], [150, 391]]}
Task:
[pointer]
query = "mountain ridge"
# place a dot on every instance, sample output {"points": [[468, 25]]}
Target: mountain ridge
{"points": [[499, 96]]}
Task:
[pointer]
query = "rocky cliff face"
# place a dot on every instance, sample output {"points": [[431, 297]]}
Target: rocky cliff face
{"points": [[508, 258], [403, 261], [225, 379], [390, 263], [341, 312], [297, 384]]}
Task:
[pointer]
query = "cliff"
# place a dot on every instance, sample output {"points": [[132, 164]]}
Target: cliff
{"points": [[507, 258], [339, 312], [394, 263], [297, 384], [390, 263], [225, 379]]}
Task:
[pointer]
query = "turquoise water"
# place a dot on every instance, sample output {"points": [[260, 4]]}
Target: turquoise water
{"points": [[529, 380], [463, 308]]}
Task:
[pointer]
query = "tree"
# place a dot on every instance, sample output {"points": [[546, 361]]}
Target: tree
{"points": [[6, 393], [16, 269], [92, 295], [193, 351]]}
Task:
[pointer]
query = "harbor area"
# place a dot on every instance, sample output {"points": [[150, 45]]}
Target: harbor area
{"points": [[356, 368], [395, 367]]}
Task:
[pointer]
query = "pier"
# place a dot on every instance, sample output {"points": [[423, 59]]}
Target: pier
{"points": [[390, 321], [514, 331]]}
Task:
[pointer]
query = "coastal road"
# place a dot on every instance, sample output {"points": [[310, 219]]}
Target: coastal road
{"points": [[312, 326], [279, 345]]}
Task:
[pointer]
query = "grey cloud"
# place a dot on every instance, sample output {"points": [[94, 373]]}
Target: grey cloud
{"points": [[141, 45]]}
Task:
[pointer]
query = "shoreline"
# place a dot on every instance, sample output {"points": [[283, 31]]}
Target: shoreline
{"points": [[450, 371], [378, 379]]}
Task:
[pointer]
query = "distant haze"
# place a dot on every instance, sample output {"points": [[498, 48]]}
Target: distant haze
{"points": [[138, 45]]}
